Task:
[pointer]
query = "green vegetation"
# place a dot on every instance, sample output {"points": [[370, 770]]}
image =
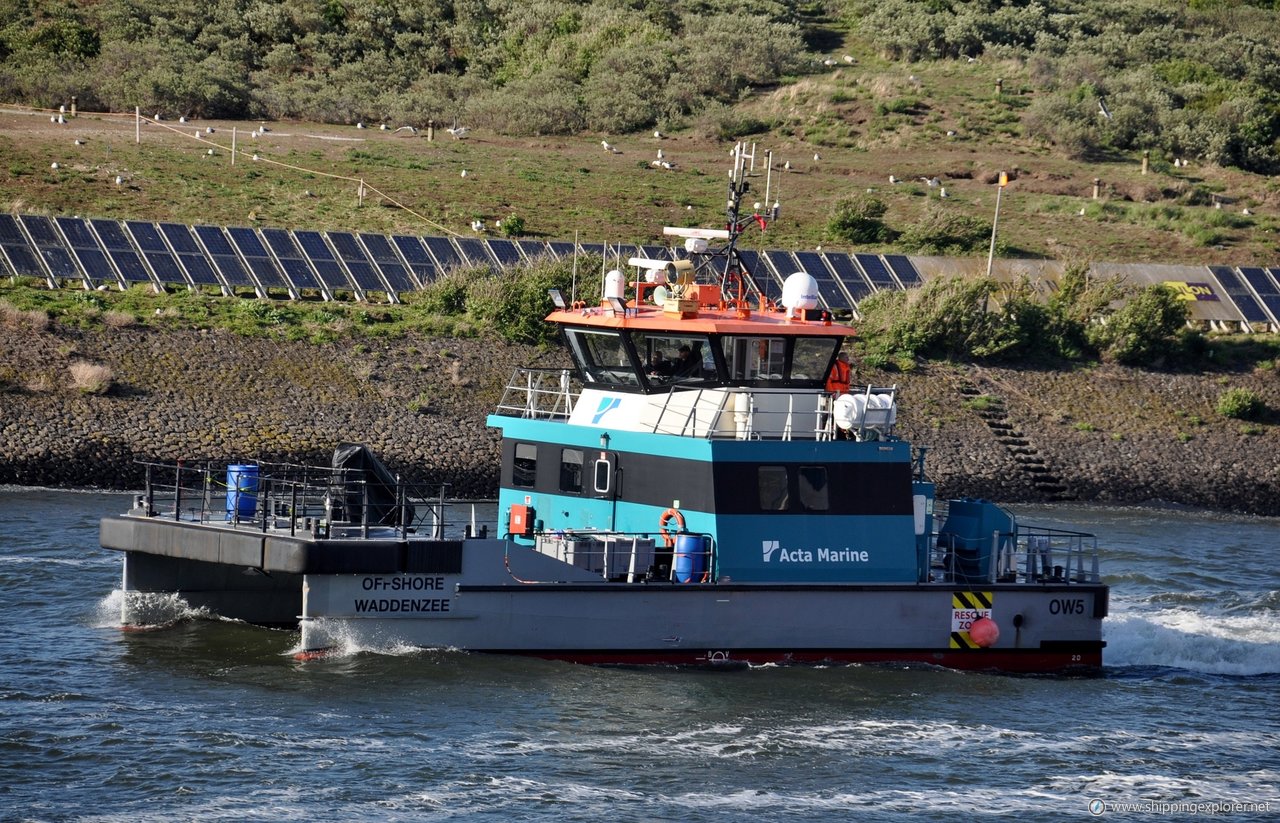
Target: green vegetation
{"points": [[988, 320], [464, 302], [1241, 404]]}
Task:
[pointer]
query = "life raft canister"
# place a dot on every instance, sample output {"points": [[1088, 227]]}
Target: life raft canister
{"points": [[666, 518]]}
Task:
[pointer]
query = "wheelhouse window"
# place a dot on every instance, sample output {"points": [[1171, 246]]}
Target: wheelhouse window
{"points": [[755, 359], [602, 357], [813, 488], [771, 481], [571, 470], [812, 359], [674, 358], [524, 469]]}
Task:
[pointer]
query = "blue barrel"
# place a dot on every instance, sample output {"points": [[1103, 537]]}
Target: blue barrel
{"points": [[690, 558], [242, 492]]}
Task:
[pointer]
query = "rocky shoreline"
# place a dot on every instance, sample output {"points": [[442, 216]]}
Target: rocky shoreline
{"points": [[1104, 434]]}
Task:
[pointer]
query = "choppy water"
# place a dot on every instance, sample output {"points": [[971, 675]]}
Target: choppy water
{"points": [[215, 721]]}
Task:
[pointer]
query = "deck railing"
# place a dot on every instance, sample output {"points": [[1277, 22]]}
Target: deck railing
{"points": [[1032, 554], [315, 501]]}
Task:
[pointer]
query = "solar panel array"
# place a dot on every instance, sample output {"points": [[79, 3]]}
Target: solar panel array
{"points": [[288, 264]]}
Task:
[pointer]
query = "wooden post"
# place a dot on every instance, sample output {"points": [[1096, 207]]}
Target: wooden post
{"points": [[233, 145], [999, 86], [360, 194], [1097, 187], [73, 105], [431, 130], [137, 124], [1146, 160]]}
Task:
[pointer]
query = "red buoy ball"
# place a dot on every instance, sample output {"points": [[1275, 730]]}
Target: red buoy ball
{"points": [[984, 632]]}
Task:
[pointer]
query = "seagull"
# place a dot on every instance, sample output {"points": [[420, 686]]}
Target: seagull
{"points": [[828, 62], [1102, 108], [816, 157], [655, 163], [53, 166], [158, 117], [1246, 212], [950, 133], [477, 225], [209, 129], [848, 58], [119, 180], [256, 157], [608, 147], [409, 129], [182, 119], [382, 127], [1081, 212], [360, 125], [657, 135], [942, 191], [261, 129], [61, 120], [79, 142], [931, 182], [660, 155], [786, 166], [209, 152], [458, 132], [667, 165], [893, 179], [464, 172]]}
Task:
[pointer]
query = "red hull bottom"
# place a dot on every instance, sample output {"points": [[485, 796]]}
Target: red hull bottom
{"points": [[1030, 661]]}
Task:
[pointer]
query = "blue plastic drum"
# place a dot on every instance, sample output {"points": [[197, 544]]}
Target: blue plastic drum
{"points": [[242, 492], [690, 558]]}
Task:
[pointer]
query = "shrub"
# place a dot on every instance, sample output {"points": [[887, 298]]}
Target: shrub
{"points": [[91, 378], [943, 231], [1240, 404], [1142, 331], [858, 220]]}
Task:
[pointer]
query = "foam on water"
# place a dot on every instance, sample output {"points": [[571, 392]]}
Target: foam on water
{"points": [[147, 610], [1196, 639]]}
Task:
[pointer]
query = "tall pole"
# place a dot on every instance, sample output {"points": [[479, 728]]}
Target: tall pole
{"points": [[991, 255]]}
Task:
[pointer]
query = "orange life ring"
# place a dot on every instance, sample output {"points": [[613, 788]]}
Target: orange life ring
{"points": [[667, 539]]}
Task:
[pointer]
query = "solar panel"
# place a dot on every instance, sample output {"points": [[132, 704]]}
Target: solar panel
{"points": [[1265, 288], [561, 249], [416, 255], [223, 256], [322, 260], [357, 262], [1239, 294], [443, 251], [851, 277], [876, 272], [388, 262], [146, 236], [198, 268], [257, 257], [474, 250], [49, 245], [780, 264], [121, 252], [290, 259], [180, 239], [10, 234], [156, 252], [505, 252], [750, 260], [87, 250], [17, 252], [592, 248], [906, 271], [533, 249], [656, 252], [815, 267]]}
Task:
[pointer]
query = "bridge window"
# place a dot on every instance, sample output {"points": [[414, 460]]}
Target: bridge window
{"points": [[775, 492], [813, 488], [671, 358], [524, 470], [812, 358], [756, 359], [602, 357], [571, 470]]}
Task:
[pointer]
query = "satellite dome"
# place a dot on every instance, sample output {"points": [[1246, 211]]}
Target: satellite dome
{"points": [[799, 291]]}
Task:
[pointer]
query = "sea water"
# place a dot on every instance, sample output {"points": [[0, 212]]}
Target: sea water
{"points": [[214, 720]]}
